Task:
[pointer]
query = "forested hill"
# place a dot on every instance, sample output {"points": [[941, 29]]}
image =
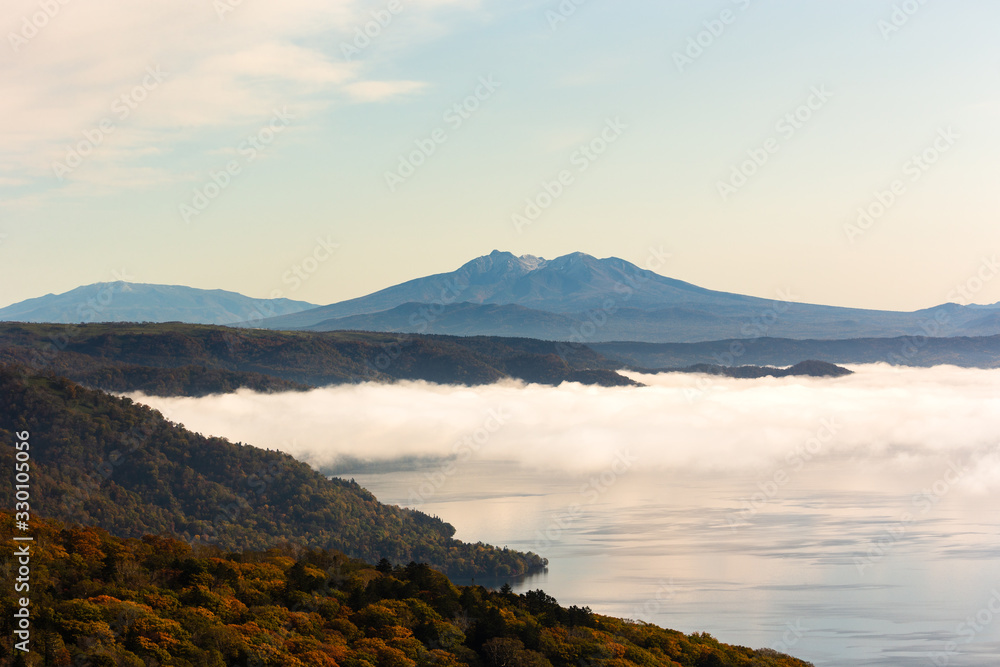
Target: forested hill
{"points": [[809, 368], [919, 351], [101, 460], [100, 600], [194, 360]]}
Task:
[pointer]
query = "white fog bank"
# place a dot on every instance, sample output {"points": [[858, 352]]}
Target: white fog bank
{"points": [[888, 415]]}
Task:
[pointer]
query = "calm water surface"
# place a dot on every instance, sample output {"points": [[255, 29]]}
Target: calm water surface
{"points": [[690, 502], [836, 565]]}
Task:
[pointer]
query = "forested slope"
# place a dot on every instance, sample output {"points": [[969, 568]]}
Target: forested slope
{"points": [[103, 601], [106, 461], [175, 359]]}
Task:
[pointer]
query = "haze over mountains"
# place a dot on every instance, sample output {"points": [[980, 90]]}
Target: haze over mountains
{"points": [[576, 297], [122, 301]]}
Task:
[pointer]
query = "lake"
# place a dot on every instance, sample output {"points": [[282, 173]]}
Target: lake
{"points": [[848, 521], [827, 569]]}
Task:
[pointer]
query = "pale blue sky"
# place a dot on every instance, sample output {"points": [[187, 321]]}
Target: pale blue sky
{"points": [[323, 174]]}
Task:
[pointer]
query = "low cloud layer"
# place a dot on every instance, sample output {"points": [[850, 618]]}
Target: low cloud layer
{"points": [[887, 416]]}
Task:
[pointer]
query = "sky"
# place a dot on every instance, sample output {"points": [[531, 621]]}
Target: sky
{"points": [[843, 150]]}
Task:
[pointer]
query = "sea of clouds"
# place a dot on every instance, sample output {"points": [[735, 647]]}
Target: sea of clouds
{"points": [[887, 416]]}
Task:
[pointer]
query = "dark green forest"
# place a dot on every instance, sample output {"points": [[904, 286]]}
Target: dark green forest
{"points": [[803, 368], [175, 359], [107, 461], [159, 546]]}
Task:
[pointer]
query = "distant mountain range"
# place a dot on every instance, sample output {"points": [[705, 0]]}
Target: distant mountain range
{"points": [[138, 302], [575, 297], [583, 299]]}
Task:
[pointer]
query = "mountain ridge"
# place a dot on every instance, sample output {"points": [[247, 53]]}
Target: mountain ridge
{"points": [[572, 298], [529, 281], [615, 300], [121, 300], [170, 359], [105, 460], [914, 351]]}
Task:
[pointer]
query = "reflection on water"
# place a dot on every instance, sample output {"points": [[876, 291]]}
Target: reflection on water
{"points": [[849, 521], [845, 561]]}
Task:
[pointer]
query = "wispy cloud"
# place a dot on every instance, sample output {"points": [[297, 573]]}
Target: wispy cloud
{"points": [[224, 65]]}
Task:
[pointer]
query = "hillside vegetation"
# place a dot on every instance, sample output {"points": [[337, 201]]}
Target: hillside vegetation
{"points": [[920, 351], [103, 601], [810, 368], [106, 461], [193, 360]]}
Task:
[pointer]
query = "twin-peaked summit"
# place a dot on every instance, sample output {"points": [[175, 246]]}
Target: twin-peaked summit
{"points": [[568, 284], [582, 298], [575, 297]]}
